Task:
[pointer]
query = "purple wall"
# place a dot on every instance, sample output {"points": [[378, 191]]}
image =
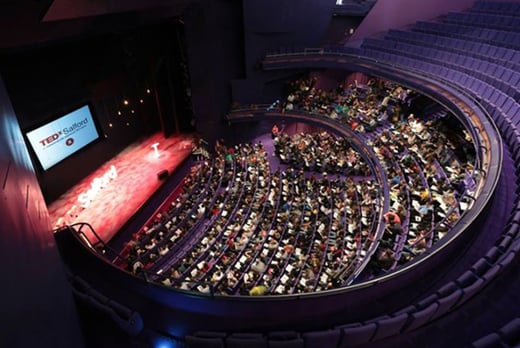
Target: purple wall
{"points": [[215, 54], [36, 301], [272, 25], [328, 79], [387, 14]]}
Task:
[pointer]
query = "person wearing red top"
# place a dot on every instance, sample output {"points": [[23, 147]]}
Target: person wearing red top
{"points": [[391, 217], [275, 131]]}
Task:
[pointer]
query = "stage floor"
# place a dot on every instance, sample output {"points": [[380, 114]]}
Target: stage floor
{"points": [[107, 198]]}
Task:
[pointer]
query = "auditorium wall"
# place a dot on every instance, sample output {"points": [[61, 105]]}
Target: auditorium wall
{"points": [[36, 300], [272, 25], [226, 41], [215, 52]]}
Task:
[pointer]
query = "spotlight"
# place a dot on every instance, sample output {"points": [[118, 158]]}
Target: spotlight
{"points": [[125, 102], [110, 125], [148, 91], [141, 101], [128, 123], [119, 113], [132, 111]]}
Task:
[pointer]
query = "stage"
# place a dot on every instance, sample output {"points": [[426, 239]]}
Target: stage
{"points": [[107, 198]]}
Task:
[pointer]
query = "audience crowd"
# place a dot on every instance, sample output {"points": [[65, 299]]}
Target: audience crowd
{"points": [[427, 185], [320, 152], [296, 234], [237, 227], [361, 107], [428, 172]]}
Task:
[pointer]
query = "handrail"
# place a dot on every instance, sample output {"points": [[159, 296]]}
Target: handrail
{"points": [[78, 228]]}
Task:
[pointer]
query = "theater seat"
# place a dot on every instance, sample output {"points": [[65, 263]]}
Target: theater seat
{"points": [[489, 341], [492, 273], [203, 342], [210, 334], [356, 335], [471, 290], [505, 243], [510, 332], [447, 289], [466, 279], [246, 340], [320, 339], [493, 254], [293, 343], [425, 302], [447, 303], [407, 309], [507, 260], [390, 326], [422, 317], [515, 246], [480, 267], [282, 335]]}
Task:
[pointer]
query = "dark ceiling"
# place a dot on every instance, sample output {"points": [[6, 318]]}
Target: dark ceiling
{"points": [[29, 23]]}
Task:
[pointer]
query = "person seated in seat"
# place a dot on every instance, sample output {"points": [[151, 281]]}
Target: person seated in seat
{"points": [[258, 290], [391, 218], [386, 259], [419, 242], [137, 267], [394, 229], [167, 282], [426, 208]]}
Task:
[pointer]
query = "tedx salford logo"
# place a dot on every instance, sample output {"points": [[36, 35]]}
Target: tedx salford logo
{"points": [[69, 141], [51, 138]]}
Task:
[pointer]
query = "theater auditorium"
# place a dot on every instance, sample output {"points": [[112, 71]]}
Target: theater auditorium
{"points": [[233, 173]]}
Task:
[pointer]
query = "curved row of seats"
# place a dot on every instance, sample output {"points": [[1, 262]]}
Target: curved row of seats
{"points": [[405, 320], [228, 270], [504, 7], [507, 336], [423, 176], [193, 184], [309, 241], [503, 109], [490, 72], [299, 235], [170, 227], [220, 245], [443, 301], [482, 272], [265, 229], [423, 232], [507, 57], [320, 152], [360, 107], [472, 33]]}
